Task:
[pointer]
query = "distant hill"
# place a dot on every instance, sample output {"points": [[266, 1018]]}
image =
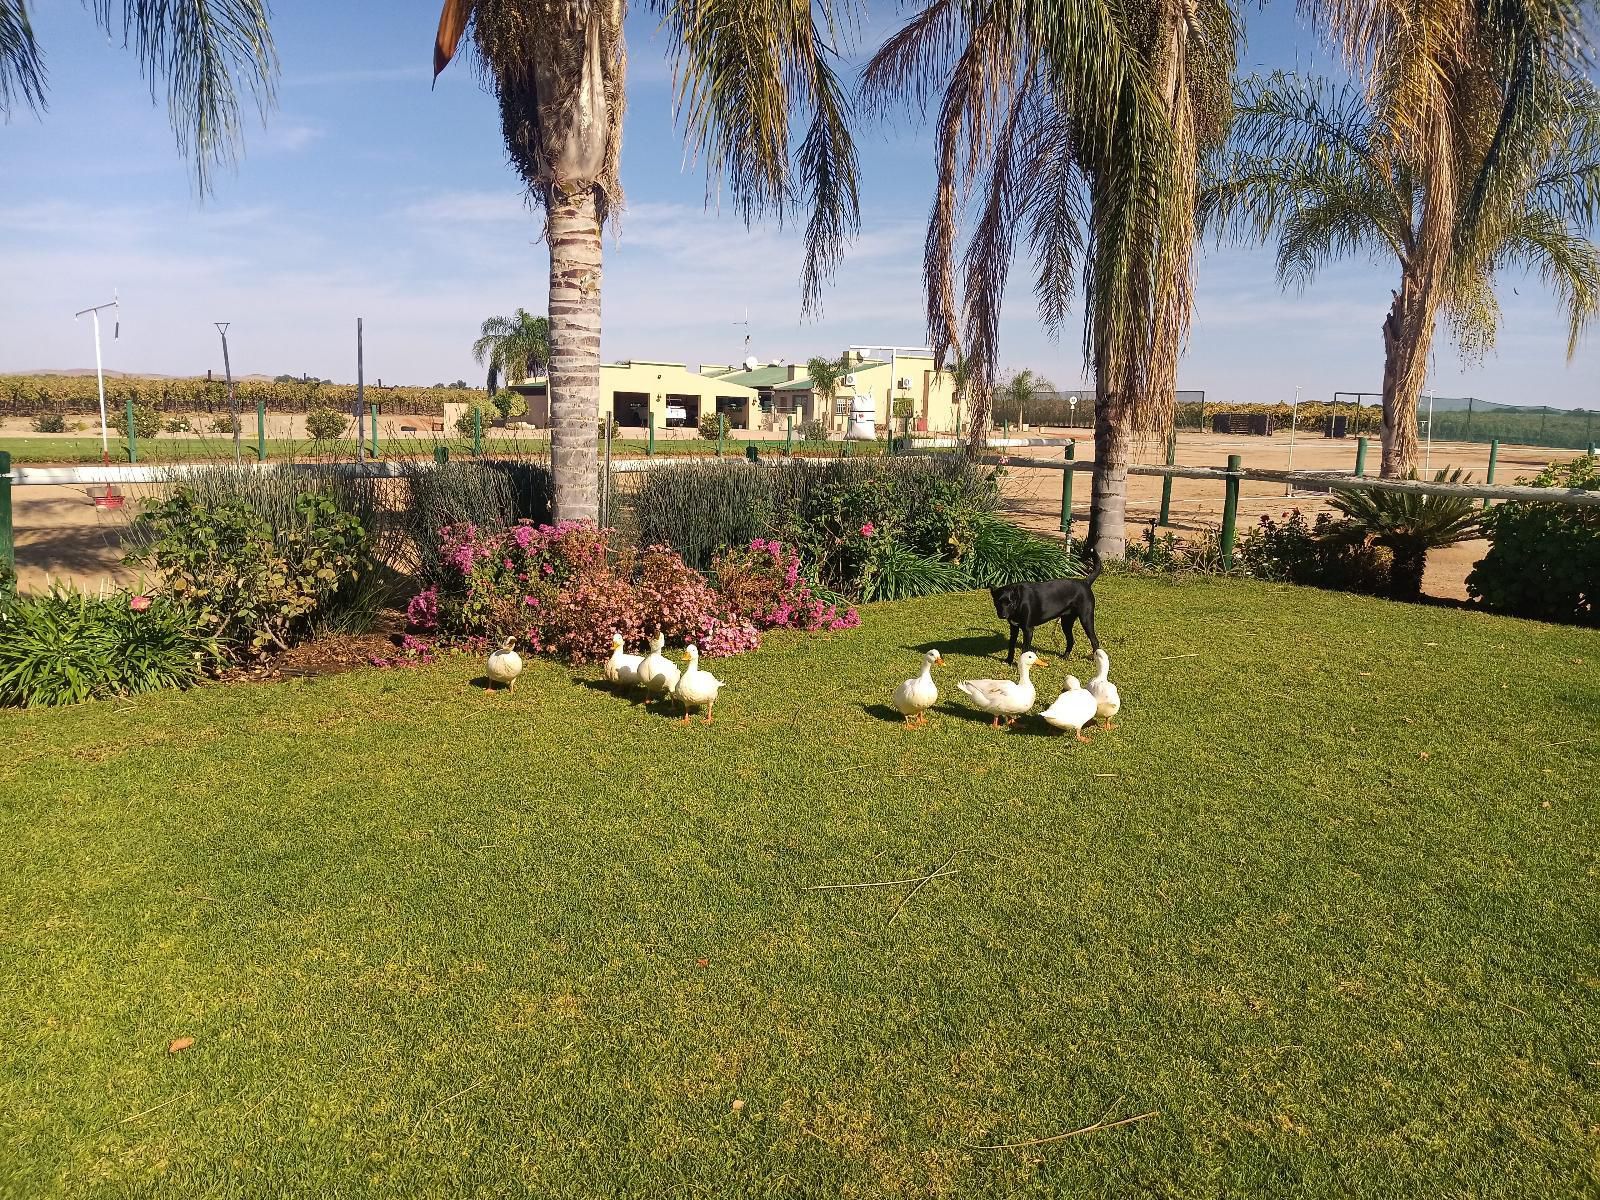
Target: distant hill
{"points": [[131, 374]]}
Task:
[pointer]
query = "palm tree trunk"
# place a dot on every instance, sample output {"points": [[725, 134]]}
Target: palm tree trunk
{"points": [[1108, 508], [575, 254], [1407, 338]]}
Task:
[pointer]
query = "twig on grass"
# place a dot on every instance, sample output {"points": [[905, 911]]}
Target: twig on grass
{"points": [[926, 879], [1176, 657], [1097, 1127], [157, 1108], [435, 1107], [919, 879]]}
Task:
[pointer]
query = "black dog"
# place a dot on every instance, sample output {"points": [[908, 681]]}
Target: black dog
{"points": [[1026, 606]]}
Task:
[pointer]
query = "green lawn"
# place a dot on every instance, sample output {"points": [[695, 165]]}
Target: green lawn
{"points": [[1324, 904], [26, 450]]}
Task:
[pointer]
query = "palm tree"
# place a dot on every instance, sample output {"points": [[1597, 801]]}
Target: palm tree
{"points": [[825, 375], [744, 72], [203, 50], [1020, 390], [1079, 127], [514, 348], [1319, 167]]}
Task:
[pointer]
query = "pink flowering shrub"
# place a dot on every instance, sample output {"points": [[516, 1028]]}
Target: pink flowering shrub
{"points": [[557, 590], [764, 583]]}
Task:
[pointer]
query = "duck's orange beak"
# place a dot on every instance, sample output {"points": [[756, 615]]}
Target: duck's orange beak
{"points": [[1043, 662]]}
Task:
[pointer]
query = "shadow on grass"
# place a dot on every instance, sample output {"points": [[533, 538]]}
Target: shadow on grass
{"points": [[634, 697], [974, 646], [883, 712]]}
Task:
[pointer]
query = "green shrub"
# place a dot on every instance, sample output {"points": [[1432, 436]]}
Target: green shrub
{"points": [[225, 423], [510, 405], [712, 426], [1407, 524], [50, 422], [487, 415], [146, 419], [699, 508], [253, 581], [326, 424], [1004, 554], [897, 572], [65, 647], [1544, 559], [178, 425], [453, 495], [814, 431], [1321, 555]]}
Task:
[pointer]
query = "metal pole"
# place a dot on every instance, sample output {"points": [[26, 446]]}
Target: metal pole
{"points": [[788, 437], [8, 548], [1361, 457], [233, 400], [1230, 509], [1066, 490], [361, 393], [722, 430], [1166, 481], [133, 434], [261, 428], [373, 410], [1294, 408], [441, 455], [100, 381], [650, 434], [1494, 459], [477, 432]]}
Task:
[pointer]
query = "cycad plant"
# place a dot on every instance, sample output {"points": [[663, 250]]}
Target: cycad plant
{"points": [[744, 72], [1408, 524]]}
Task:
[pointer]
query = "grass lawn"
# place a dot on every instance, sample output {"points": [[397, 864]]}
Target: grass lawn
{"points": [[1325, 905], [26, 450]]}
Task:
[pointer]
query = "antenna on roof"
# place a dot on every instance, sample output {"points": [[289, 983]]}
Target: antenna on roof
{"points": [[746, 324]]}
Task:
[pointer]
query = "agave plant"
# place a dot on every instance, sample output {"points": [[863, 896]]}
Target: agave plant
{"points": [[1409, 524]]}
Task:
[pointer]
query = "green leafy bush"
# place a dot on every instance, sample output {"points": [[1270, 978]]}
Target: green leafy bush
{"points": [[251, 582], [813, 431], [178, 425], [487, 415], [225, 423], [146, 419], [711, 426], [326, 424], [50, 422], [701, 508], [65, 647], [1322, 555], [510, 405], [1544, 559], [1004, 554]]}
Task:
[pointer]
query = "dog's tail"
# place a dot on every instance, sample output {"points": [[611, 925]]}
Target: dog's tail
{"points": [[1091, 561]]}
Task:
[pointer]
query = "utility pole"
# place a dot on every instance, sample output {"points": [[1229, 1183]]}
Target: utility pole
{"points": [[233, 403], [361, 396], [1288, 488], [99, 371]]}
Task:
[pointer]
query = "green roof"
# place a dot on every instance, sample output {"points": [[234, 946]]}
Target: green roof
{"points": [[794, 385], [759, 378]]}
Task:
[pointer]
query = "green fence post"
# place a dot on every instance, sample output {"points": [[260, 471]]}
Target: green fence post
{"points": [[1361, 457], [1543, 417], [477, 432], [373, 409], [1494, 459], [441, 455], [1466, 435], [1066, 489], [650, 435], [1230, 509], [788, 437], [133, 434], [8, 551], [261, 429], [844, 445], [1166, 480], [722, 432]]}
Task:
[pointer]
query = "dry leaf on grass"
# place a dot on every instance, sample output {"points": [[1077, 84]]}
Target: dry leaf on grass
{"points": [[180, 1045]]}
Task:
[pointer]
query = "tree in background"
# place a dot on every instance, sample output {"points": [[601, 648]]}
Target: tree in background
{"points": [[826, 374], [514, 348], [1079, 127], [1019, 390], [203, 49], [743, 72], [1317, 166]]}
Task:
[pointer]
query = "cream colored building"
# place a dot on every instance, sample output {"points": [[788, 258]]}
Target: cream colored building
{"points": [[890, 375], [678, 397]]}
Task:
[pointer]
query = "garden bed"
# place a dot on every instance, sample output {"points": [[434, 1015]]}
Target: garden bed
{"points": [[1325, 929]]}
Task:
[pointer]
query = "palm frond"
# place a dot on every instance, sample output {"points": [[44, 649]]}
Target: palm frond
{"points": [[22, 72], [204, 50]]}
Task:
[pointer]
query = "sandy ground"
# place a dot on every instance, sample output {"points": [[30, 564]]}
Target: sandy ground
{"points": [[61, 534]]}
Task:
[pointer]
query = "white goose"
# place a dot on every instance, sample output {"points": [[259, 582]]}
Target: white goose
{"points": [[913, 698], [1006, 698], [505, 664], [1073, 709], [1105, 692], [622, 669], [658, 674], [696, 688]]}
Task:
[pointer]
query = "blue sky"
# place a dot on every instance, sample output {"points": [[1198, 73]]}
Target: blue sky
{"points": [[368, 194]]}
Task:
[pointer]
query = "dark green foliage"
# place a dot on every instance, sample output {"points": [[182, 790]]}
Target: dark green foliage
{"points": [[252, 582], [1407, 524], [65, 647], [488, 494], [326, 424], [1544, 559], [699, 508], [1004, 554], [898, 572], [50, 422], [712, 426], [146, 419], [1320, 555], [224, 423]]}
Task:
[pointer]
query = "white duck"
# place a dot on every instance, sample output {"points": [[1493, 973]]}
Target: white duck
{"points": [[1006, 698], [913, 698], [696, 688], [1105, 692], [658, 674], [1073, 709], [622, 668], [505, 664]]}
